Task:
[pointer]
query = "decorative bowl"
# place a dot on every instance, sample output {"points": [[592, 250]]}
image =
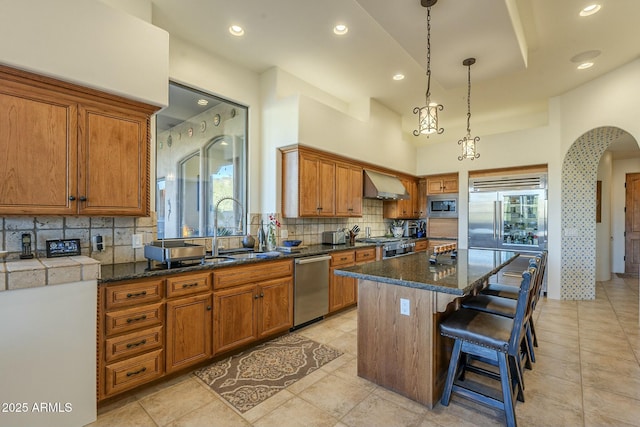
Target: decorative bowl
{"points": [[290, 243]]}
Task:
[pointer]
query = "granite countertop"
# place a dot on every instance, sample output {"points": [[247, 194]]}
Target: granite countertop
{"points": [[452, 276], [139, 270]]}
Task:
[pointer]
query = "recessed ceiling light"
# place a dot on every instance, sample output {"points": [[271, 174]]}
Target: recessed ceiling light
{"points": [[590, 10], [236, 30], [202, 102], [398, 76], [585, 56], [340, 29], [585, 65]]}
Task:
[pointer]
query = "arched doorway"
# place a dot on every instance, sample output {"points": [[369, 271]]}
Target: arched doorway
{"points": [[578, 247]]}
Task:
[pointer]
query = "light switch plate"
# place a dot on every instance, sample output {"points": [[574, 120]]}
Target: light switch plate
{"points": [[136, 241], [405, 308]]}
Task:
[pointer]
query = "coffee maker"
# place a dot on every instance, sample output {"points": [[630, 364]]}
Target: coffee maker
{"points": [[414, 228], [411, 228]]}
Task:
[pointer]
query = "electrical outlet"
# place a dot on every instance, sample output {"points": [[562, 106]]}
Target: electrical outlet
{"points": [[284, 233], [97, 243], [405, 308], [136, 241]]}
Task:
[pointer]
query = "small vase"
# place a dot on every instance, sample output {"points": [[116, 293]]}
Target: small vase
{"points": [[271, 238]]}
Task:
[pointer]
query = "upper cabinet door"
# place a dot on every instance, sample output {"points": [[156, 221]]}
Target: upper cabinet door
{"points": [[327, 188], [348, 190], [113, 164], [38, 150]]}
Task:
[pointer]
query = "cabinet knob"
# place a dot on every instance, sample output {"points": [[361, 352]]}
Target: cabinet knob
{"points": [[262, 295], [83, 199], [256, 296], [72, 198], [208, 308]]}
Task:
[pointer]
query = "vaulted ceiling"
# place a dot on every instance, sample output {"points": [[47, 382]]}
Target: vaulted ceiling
{"points": [[523, 48]]}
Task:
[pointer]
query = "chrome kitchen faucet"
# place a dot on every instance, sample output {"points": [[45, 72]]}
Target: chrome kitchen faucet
{"points": [[214, 245]]}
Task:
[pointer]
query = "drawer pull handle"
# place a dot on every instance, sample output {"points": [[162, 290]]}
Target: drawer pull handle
{"points": [[136, 319], [189, 285], [139, 371], [136, 344], [139, 294], [344, 258]]}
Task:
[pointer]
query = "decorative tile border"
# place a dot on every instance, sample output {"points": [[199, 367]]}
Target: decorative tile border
{"points": [[578, 248]]}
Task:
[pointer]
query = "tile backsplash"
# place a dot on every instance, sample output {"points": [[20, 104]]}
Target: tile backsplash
{"points": [[116, 232]]}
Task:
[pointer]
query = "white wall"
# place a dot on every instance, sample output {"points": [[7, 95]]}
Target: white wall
{"points": [[604, 238], [89, 43], [48, 353], [620, 169]]}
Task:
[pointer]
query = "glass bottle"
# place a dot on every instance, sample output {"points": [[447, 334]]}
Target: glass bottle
{"points": [[262, 240]]}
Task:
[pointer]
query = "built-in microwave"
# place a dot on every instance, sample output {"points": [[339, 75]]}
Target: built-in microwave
{"points": [[443, 206]]}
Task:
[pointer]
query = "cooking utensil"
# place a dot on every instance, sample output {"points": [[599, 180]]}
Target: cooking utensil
{"points": [[356, 229]]}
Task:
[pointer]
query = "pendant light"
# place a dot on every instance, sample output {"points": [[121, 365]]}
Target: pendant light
{"points": [[428, 115], [469, 143]]}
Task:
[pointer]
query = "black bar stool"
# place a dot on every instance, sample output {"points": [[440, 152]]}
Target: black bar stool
{"points": [[491, 339], [488, 302], [504, 306]]}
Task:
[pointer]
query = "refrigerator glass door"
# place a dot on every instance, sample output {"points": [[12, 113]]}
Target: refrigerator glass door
{"points": [[521, 219], [483, 220]]}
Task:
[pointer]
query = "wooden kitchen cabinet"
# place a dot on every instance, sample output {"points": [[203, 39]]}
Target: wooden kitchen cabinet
{"points": [[316, 184], [348, 190], [406, 208], [422, 199], [71, 150], [189, 326], [421, 245], [234, 320], [440, 184], [148, 328], [308, 185], [130, 335], [113, 161], [343, 291], [189, 320], [251, 302]]}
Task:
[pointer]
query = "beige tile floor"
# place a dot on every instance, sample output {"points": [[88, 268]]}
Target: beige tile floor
{"points": [[586, 374]]}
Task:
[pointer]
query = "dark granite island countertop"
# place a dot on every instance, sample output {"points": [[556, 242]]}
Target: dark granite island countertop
{"points": [[401, 302], [452, 276]]}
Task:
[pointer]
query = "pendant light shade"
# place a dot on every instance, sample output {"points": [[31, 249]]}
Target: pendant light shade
{"points": [[428, 115], [468, 142]]}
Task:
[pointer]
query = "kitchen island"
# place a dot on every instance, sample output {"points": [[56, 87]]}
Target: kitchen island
{"points": [[400, 304]]}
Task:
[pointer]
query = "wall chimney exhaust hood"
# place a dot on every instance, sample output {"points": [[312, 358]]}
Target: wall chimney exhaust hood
{"points": [[382, 186]]}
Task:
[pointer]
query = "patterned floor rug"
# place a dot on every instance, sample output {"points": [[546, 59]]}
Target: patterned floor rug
{"points": [[249, 378]]}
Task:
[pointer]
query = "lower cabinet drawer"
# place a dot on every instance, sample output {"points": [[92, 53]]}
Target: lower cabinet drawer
{"points": [[121, 376], [133, 344], [134, 318]]}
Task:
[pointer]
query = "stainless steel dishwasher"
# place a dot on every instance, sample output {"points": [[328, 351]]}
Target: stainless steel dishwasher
{"points": [[311, 289]]}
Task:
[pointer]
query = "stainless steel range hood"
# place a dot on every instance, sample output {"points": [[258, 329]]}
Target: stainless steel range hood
{"points": [[382, 186]]}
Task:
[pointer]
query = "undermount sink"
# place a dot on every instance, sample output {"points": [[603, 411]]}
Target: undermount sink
{"points": [[218, 260]]}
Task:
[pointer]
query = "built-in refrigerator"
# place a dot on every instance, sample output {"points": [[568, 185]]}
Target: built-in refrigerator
{"points": [[508, 213]]}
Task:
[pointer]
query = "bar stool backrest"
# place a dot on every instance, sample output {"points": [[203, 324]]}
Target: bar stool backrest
{"points": [[523, 310]]}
